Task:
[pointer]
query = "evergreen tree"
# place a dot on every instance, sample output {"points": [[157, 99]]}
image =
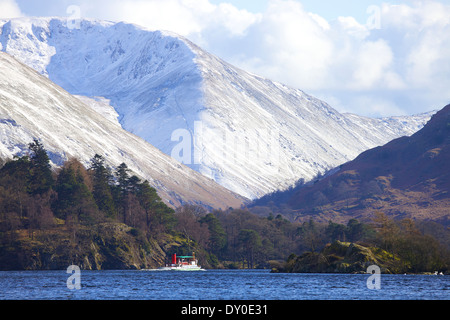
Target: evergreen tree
{"points": [[336, 231], [218, 236], [159, 216], [164, 217], [40, 177], [65, 188], [148, 198], [134, 185], [74, 197], [123, 196], [250, 244], [123, 179], [101, 186]]}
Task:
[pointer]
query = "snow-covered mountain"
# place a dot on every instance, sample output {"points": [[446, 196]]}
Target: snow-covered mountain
{"points": [[31, 106], [249, 134]]}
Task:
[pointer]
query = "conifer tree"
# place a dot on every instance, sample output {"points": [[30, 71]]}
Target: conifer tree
{"points": [[159, 217], [101, 186], [218, 236], [148, 198], [123, 199], [40, 177], [123, 178], [74, 197]]}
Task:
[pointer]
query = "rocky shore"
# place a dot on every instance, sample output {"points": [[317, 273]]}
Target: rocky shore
{"points": [[343, 257], [105, 246]]}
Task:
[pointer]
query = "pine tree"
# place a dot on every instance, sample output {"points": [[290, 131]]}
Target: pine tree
{"points": [[40, 178], [123, 177], [101, 186], [250, 244], [65, 188], [148, 198], [74, 197], [123, 199], [159, 216], [218, 236]]}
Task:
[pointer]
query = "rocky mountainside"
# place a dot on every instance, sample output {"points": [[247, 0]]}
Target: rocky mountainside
{"points": [[249, 134], [407, 178], [31, 106]]}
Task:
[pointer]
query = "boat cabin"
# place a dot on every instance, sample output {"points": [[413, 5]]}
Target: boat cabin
{"points": [[183, 260]]}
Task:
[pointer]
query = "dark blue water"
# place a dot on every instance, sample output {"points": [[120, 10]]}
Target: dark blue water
{"points": [[218, 285]]}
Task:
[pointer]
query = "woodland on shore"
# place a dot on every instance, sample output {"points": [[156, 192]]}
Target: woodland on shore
{"points": [[107, 218]]}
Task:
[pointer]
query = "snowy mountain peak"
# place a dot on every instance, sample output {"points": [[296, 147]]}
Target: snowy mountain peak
{"points": [[249, 134], [31, 106]]}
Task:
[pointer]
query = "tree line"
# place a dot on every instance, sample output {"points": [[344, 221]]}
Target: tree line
{"points": [[33, 196], [237, 238]]}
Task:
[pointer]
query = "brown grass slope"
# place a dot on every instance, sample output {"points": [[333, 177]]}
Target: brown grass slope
{"points": [[407, 178]]}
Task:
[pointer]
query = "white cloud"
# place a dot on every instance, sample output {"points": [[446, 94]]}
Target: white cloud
{"points": [[234, 20], [185, 17], [371, 62], [349, 25], [9, 9], [294, 43], [406, 60], [173, 15]]}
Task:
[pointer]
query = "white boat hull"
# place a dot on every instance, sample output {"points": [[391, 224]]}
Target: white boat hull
{"points": [[184, 268], [182, 263]]}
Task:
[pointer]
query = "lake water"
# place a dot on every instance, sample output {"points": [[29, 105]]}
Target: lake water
{"points": [[218, 285]]}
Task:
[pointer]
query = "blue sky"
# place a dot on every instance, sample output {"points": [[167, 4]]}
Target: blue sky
{"points": [[328, 9], [370, 57]]}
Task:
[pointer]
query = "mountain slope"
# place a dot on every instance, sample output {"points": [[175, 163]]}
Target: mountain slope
{"points": [[407, 178], [249, 134], [31, 106]]}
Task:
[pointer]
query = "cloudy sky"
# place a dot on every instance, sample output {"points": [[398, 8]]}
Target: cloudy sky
{"points": [[370, 57]]}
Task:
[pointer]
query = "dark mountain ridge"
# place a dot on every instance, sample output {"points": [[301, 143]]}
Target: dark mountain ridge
{"points": [[408, 177]]}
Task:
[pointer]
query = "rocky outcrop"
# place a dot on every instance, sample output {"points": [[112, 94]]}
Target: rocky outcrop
{"points": [[342, 257], [107, 246]]}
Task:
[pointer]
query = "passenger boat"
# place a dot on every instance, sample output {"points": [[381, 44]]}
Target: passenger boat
{"points": [[182, 263]]}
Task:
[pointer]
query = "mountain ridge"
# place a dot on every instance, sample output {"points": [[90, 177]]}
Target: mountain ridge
{"points": [[249, 134], [34, 107], [408, 177]]}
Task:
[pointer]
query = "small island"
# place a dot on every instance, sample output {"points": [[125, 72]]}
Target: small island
{"points": [[341, 257], [345, 257]]}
